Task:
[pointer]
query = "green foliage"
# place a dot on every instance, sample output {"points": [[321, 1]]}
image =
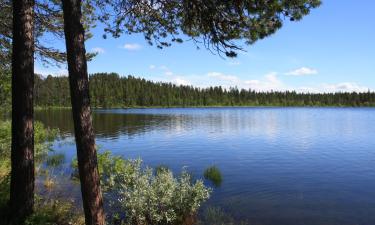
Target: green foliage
{"points": [[55, 160], [5, 131], [162, 199], [4, 193], [5, 138], [161, 168], [51, 212], [5, 90], [111, 91], [217, 24], [51, 91], [214, 175], [5, 33], [114, 170], [43, 138], [145, 197]]}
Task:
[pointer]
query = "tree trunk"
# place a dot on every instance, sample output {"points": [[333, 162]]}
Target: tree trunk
{"points": [[84, 134], [22, 150]]}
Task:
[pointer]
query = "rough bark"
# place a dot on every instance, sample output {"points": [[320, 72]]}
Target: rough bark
{"points": [[84, 134], [22, 149]]}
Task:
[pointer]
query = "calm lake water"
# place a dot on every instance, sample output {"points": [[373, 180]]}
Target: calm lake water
{"points": [[280, 166]]}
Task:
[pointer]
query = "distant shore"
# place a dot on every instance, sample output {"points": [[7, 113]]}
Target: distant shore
{"points": [[213, 106]]}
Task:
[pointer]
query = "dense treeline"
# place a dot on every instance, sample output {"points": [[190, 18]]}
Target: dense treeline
{"points": [[111, 90]]}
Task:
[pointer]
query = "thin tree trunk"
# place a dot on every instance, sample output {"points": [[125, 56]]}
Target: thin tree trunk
{"points": [[22, 150], [84, 134]]}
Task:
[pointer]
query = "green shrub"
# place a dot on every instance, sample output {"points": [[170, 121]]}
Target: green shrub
{"points": [[145, 197], [55, 160], [53, 212], [161, 168], [43, 139]]}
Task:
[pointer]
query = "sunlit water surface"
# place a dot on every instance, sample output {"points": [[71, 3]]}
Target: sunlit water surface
{"points": [[280, 166]]}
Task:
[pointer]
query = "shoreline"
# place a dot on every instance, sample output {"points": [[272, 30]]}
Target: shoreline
{"points": [[205, 107]]}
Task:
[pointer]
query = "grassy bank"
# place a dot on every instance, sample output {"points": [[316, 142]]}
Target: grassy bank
{"points": [[47, 211]]}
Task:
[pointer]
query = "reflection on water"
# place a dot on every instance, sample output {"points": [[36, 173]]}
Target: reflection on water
{"points": [[280, 166]]}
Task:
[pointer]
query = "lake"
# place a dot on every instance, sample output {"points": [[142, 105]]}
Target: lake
{"points": [[280, 166]]}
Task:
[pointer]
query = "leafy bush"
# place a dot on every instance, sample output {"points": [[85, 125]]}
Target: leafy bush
{"points": [[52, 212], [148, 197], [55, 160], [43, 138]]}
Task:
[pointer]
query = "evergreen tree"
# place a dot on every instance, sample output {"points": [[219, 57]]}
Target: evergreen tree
{"points": [[80, 101], [48, 20], [22, 148]]}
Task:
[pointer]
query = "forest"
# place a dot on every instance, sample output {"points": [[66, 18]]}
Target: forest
{"points": [[109, 90]]}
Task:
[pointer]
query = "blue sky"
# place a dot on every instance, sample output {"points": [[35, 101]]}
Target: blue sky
{"points": [[332, 49]]}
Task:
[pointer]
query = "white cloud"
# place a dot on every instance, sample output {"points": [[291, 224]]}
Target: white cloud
{"points": [[180, 81], [252, 82], [98, 50], [164, 74], [307, 89], [42, 72], [268, 82], [223, 77], [163, 68], [132, 47], [303, 71], [332, 88], [344, 87], [51, 71], [271, 77], [62, 72]]}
